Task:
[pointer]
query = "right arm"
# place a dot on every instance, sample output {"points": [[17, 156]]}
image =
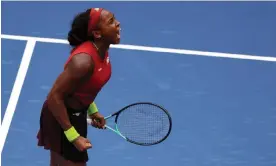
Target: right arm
{"points": [[77, 71]]}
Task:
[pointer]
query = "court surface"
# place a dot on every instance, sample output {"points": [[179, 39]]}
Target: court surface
{"points": [[223, 109]]}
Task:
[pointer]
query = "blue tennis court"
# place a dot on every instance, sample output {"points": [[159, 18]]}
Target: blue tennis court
{"points": [[223, 109]]}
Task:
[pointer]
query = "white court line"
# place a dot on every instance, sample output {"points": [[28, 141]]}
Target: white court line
{"points": [[20, 78], [152, 49]]}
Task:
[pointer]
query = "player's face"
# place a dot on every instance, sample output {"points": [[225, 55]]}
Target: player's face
{"points": [[110, 28]]}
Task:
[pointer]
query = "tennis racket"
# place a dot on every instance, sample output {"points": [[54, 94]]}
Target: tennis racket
{"points": [[142, 123]]}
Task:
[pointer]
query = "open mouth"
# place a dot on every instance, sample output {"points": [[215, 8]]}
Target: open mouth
{"points": [[118, 34]]}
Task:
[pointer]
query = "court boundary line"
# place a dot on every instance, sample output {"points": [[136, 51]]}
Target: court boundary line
{"points": [[16, 91], [152, 49]]}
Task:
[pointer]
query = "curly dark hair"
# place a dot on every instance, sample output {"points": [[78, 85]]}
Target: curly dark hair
{"points": [[79, 27]]}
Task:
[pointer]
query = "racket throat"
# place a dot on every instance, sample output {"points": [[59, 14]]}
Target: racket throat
{"points": [[116, 131]]}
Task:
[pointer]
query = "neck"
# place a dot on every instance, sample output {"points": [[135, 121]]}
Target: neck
{"points": [[102, 48]]}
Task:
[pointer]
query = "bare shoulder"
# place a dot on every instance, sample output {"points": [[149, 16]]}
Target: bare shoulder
{"points": [[81, 64]]}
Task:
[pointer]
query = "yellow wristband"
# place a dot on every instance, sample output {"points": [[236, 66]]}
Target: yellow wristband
{"points": [[92, 109], [71, 134]]}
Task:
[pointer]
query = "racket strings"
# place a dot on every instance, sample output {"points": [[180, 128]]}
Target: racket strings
{"points": [[146, 124]]}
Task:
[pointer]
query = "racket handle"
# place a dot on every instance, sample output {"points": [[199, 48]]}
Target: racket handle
{"points": [[89, 121]]}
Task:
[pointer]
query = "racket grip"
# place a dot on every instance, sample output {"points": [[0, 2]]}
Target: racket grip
{"points": [[89, 121]]}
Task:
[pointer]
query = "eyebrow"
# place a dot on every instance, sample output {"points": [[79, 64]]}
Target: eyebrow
{"points": [[111, 17]]}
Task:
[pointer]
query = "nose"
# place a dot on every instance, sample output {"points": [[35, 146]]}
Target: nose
{"points": [[118, 23]]}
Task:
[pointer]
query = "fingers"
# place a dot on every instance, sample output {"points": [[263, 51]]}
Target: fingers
{"points": [[95, 123], [87, 140], [88, 145], [82, 144], [98, 123], [102, 122]]}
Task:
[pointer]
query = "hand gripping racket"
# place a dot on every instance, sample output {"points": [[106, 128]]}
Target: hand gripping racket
{"points": [[141, 123]]}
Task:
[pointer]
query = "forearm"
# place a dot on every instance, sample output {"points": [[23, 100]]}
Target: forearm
{"points": [[59, 111]]}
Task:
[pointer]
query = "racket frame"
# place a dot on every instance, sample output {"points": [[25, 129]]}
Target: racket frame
{"points": [[116, 130]]}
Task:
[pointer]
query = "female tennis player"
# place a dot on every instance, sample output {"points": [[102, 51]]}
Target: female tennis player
{"points": [[63, 125]]}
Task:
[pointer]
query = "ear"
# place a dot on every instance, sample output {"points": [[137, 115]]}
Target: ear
{"points": [[97, 34]]}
